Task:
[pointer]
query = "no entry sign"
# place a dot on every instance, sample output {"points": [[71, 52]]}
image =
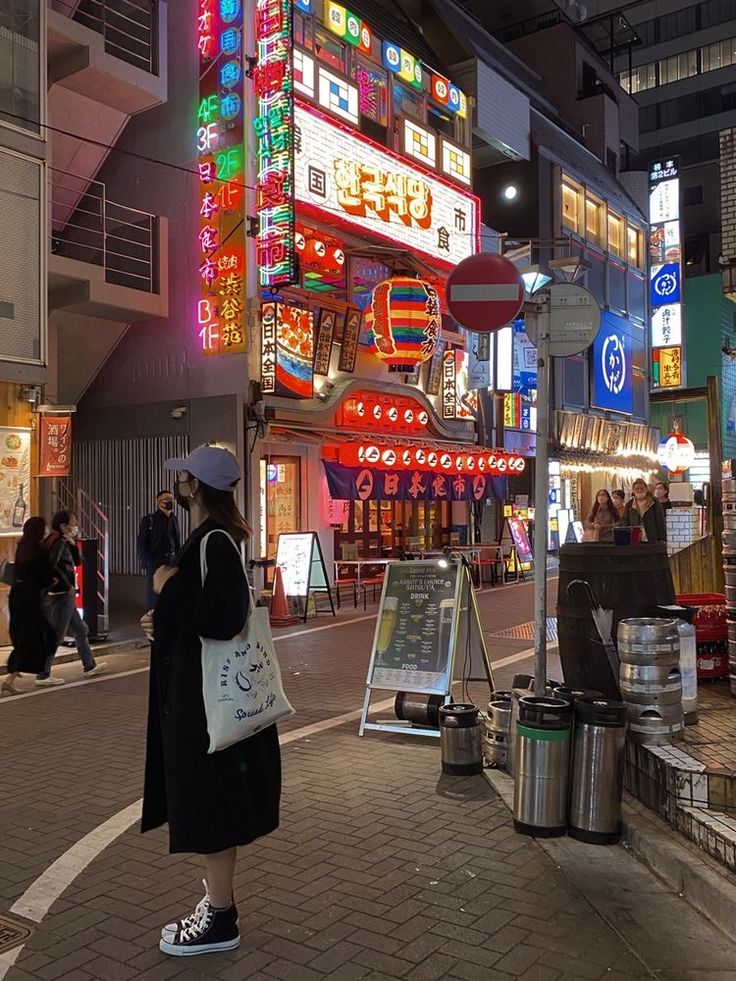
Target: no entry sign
{"points": [[485, 292]]}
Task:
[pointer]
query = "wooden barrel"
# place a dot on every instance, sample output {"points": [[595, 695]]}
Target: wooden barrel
{"points": [[628, 579]]}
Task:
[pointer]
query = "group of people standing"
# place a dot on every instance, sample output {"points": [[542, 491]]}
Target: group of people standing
{"points": [[645, 509], [42, 602]]}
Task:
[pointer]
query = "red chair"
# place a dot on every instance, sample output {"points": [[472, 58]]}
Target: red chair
{"points": [[373, 581], [346, 581]]}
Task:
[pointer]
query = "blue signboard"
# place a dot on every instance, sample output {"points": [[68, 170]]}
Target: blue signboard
{"points": [[612, 356], [665, 284], [525, 361]]}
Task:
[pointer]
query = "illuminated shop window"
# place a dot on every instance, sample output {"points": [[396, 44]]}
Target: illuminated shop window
{"points": [[615, 234], [407, 102], [635, 246], [678, 66], [372, 85], [594, 219], [329, 50], [572, 206]]}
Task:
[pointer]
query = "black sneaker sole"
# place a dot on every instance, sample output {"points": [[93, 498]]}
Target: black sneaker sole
{"points": [[184, 950]]}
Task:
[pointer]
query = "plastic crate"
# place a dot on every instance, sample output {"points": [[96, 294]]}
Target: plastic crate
{"points": [[701, 599]]}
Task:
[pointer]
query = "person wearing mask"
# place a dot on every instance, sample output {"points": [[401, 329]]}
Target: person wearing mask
{"points": [[619, 501], [60, 605], [644, 510], [662, 494], [32, 636], [159, 539], [214, 803], [601, 521]]}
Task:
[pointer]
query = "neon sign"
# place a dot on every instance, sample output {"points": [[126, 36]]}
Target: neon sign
{"points": [[220, 168], [274, 126], [665, 276], [444, 458], [357, 183]]}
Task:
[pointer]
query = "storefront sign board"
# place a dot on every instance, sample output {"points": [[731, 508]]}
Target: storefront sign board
{"points": [[56, 446], [349, 344], [612, 362], [350, 181], [516, 530], [303, 571]]}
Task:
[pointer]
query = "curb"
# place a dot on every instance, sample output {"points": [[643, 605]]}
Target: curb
{"points": [[685, 869]]}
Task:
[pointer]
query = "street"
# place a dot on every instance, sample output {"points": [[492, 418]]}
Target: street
{"points": [[382, 868]]}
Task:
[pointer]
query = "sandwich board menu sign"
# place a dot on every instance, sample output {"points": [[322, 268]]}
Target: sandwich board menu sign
{"points": [[299, 556], [427, 616]]}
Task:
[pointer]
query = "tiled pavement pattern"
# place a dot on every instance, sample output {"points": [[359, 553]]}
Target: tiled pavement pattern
{"points": [[381, 868]]}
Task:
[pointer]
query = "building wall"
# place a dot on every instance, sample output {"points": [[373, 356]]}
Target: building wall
{"points": [[153, 167]]}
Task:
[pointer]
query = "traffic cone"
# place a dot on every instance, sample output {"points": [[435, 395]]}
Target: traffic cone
{"points": [[279, 615]]}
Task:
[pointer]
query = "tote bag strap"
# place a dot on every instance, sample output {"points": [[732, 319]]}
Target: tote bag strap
{"points": [[203, 559]]}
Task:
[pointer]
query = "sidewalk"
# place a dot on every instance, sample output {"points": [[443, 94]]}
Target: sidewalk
{"points": [[381, 869]]}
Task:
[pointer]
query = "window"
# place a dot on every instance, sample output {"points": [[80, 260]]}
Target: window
{"points": [[642, 78], [329, 49], [718, 55], [615, 234], [407, 102], [303, 31], [594, 219], [572, 206], [635, 246], [372, 85], [678, 66], [20, 77], [693, 195], [443, 122]]}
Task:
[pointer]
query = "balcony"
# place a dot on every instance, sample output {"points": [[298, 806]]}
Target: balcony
{"points": [[106, 260], [111, 51]]}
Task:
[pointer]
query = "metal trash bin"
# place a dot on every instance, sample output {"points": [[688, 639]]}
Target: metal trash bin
{"points": [[460, 740], [542, 766], [597, 771]]}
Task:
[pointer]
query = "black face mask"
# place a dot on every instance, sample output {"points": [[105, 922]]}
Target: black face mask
{"points": [[182, 501], [168, 505]]}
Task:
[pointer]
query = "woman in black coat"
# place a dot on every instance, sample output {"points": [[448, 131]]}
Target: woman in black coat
{"points": [[32, 636], [212, 802]]}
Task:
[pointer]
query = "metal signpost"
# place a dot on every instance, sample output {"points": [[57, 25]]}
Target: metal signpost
{"points": [[561, 320]]}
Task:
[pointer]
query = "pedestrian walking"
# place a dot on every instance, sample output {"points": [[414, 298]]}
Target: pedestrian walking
{"points": [[32, 636], [159, 539], [60, 604], [644, 510], [601, 521], [213, 803]]}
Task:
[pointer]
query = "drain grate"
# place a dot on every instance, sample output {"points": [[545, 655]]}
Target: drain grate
{"points": [[12, 933], [525, 631]]}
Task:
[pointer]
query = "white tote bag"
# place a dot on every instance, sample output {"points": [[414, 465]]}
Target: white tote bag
{"points": [[241, 679]]}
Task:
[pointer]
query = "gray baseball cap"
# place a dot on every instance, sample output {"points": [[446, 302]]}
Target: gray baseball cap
{"points": [[213, 465]]}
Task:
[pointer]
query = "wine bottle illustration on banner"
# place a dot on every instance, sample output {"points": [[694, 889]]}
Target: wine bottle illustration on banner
{"points": [[19, 510]]}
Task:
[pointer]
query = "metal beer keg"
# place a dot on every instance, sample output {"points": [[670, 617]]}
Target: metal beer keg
{"points": [[650, 679], [460, 740], [542, 766], [496, 736], [597, 771]]}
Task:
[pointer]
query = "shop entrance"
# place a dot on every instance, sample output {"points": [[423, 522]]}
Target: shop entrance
{"points": [[385, 529], [280, 488]]}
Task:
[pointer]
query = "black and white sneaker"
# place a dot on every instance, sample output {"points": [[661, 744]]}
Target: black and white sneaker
{"points": [[207, 931], [169, 931]]}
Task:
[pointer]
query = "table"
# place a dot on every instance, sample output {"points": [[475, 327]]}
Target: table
{"points": [[358, 583]]}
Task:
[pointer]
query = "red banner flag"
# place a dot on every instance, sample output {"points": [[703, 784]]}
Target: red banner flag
{"points": [[56, 446]]}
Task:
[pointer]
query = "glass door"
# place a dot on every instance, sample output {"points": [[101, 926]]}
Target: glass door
{"points": [[280, 487]]}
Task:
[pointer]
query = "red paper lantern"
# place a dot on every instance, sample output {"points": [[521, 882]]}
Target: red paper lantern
{"points": [[404, 321]]}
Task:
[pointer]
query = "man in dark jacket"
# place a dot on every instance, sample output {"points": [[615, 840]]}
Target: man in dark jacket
{"points": [[159, 539]]}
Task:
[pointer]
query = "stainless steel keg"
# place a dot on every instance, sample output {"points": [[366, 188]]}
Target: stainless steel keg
{"points": [[597, 771], [460, 740], [496, 736], [650, 679], [655, 725], [542, 766]]}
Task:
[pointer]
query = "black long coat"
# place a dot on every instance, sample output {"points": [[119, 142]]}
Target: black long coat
{"points": [[32, 636], [231, 797]]}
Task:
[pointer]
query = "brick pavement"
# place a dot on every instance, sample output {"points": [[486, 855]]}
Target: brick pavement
{"points": [[381, 868]]}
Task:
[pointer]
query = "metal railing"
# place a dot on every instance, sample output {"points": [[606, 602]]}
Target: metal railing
{"points": [[94, 525], [87, 226], [129, 27]]}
